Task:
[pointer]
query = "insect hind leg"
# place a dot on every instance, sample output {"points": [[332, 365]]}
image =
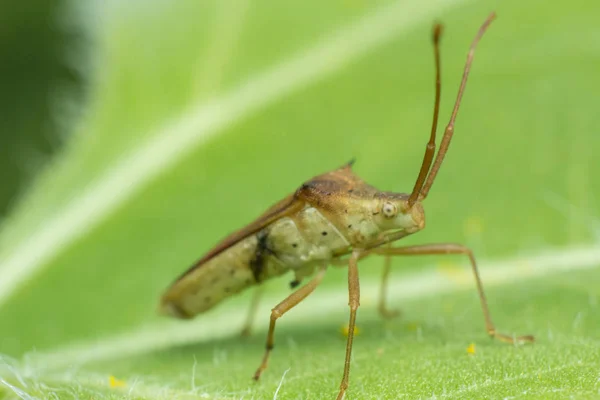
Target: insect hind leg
{"points": [[280, 309], [251, 316]]}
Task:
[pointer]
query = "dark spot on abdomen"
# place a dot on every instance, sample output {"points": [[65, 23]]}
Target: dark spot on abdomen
{"points": [[257, 264]]}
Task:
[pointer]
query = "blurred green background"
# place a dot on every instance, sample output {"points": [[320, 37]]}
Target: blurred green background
{"points": [[35, 75], [87, 85]]}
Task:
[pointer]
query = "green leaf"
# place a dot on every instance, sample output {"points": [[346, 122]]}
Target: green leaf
{"points": [[202, 114]]}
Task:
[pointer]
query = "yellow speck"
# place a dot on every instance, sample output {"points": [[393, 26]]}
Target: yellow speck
{"points": [[380, 351], [526, 267], [473, 226], [471, 349], [413, 326], [345, 330], [448, 307], [455, 272], [115, 383]]}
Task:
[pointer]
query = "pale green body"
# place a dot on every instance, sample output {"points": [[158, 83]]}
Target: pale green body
{"points": [[297, 243]]}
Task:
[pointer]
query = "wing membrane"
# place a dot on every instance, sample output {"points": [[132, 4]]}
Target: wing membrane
{"points": [[287, 206]]}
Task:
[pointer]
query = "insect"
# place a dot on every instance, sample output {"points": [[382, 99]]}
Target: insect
{"points": [[333, 219]]}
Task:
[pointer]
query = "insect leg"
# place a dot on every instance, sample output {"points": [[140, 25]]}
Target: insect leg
{"points": [[384, 311], [247, 329], [290, 302], [353, 302], [451, 248]]}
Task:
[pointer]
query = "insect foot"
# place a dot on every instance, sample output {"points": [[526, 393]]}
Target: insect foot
{"points": [[511, 339]]}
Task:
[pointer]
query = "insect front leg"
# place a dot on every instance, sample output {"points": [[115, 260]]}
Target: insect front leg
{"points": [[353, 302], [384, 311], [451, 248], [247, 329], [290, 302]]}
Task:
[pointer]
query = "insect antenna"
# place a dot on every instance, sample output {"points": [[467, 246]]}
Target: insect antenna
{"points": [[430, 148], [450, 127]]}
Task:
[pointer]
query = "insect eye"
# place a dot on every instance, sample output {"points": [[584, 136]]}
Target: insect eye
{"points": [[389, 210]]}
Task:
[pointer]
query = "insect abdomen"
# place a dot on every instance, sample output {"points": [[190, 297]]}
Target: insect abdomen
{"points": [[228, 273], [294, 243]]}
